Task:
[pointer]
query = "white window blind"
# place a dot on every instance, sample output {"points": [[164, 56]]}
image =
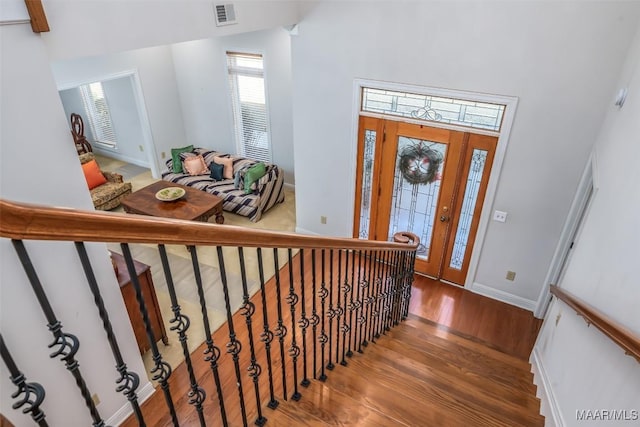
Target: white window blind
{"points": [[250, 113], [97, 108]]}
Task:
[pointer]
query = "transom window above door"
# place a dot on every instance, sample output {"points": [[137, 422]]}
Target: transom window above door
{"points": [[480, 115]]}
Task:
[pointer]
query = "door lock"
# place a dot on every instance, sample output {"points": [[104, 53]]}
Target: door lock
{"points": [[444, 218]]}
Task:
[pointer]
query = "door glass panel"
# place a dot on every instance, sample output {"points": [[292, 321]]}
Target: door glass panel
{"points": [[474, 179], [416, 189], [367, 180]]}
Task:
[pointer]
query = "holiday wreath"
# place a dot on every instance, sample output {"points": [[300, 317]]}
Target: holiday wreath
{"points": [[419, 163]]}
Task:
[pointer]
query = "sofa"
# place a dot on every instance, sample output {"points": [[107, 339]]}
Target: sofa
{"points": [[237, 198], [110, 191]]}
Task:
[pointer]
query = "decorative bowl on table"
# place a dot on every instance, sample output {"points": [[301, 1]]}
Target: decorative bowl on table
{"points": [[170, 194]]}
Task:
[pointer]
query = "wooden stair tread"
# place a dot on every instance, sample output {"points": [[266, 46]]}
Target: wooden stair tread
{"points": [[451, 335]]}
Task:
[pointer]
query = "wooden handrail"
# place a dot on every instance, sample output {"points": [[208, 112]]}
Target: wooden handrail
{"points": [[626, 339], [33, 222]]}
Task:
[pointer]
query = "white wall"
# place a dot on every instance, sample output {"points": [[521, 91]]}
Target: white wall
{"points": [[38, 164], [583, 369], [561, 59], [157, 78], [201, 72]]}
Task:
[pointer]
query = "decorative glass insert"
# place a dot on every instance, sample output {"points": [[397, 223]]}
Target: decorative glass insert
{"points": [[415, 200], [474, 179], [367, 181], [433, 108]]}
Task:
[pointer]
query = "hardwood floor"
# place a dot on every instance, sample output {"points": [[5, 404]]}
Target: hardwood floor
{"points": [[439, 367]]}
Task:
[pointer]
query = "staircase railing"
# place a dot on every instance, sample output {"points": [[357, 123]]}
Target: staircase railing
{"points": [[327, 298], [617, 333]]}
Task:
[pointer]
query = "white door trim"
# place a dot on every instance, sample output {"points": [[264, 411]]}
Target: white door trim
{"points": [[510, 102], [149, 145], [586, 191]]}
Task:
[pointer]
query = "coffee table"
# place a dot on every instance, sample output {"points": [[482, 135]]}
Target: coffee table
{"points": [[195, 205]]}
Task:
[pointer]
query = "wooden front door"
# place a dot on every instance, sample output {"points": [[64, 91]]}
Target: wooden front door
{"points": [[426, 180]]}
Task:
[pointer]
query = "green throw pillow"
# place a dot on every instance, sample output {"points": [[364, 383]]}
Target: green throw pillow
{"points": [[175, 155], [253, 174]]}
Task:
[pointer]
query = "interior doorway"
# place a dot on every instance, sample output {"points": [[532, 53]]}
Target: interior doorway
{"points": [[427, 180]]}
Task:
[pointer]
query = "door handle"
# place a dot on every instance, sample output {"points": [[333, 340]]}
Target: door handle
{"points": [[444, 218]]}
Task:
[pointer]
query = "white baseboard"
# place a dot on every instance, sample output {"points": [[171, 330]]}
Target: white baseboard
{"points": [[123, 413], [291, 187], [499, 295], [304, 231], [117, 156], [549, 408]]}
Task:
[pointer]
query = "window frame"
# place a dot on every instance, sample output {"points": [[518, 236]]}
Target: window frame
{"points": [[97, 124], [242, 148]]}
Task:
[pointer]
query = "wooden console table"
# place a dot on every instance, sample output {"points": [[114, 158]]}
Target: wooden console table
{"points": [[143, 273]]}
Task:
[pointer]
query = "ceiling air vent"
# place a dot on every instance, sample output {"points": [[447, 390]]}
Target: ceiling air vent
{"points": [[225, 14]]}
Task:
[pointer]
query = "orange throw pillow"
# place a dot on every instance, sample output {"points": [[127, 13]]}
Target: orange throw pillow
{"points": [[93, 175], [227, 162]]}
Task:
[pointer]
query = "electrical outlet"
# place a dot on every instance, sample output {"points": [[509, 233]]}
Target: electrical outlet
{"points": [[511, 275], [141, 147], [163, 154], [96, 399], [499, 216], [323, 219]]}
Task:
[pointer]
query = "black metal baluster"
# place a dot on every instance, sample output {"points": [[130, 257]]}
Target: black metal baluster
{"points": [[181, 324], [162, 370], [294, 350], [380, 294], [67, 344], [331, 313], [345, 289], [266, 336], [339, 310], [32, 393], [410, 272], [128, 381], [212, 353], [281, 330], [234, 346], [247, 310], [399, 286], [352, 305], [303, 323], [375, 294], [360, 305], [367, 298], [323, 336], [387, 293], [315, 319]]}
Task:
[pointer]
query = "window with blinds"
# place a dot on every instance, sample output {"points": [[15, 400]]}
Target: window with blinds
{"points": [[250, 114], [99, 117]]}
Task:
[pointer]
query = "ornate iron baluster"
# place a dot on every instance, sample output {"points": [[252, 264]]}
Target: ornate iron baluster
{"points": [[410, 272], [339, 309], [128, 381], [375, 293], [212, 353], [181, 324], [162, 370], [381, 293], [266, 336], [247, 310], [281, 330], [294, 350], [388, 292], [303, 323], [360, 308], [331, 313], [32, 393], [323, 336], [367, 298], [345, 328], [234, 346], [67, 344], [352, 305], [315, 319]]}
